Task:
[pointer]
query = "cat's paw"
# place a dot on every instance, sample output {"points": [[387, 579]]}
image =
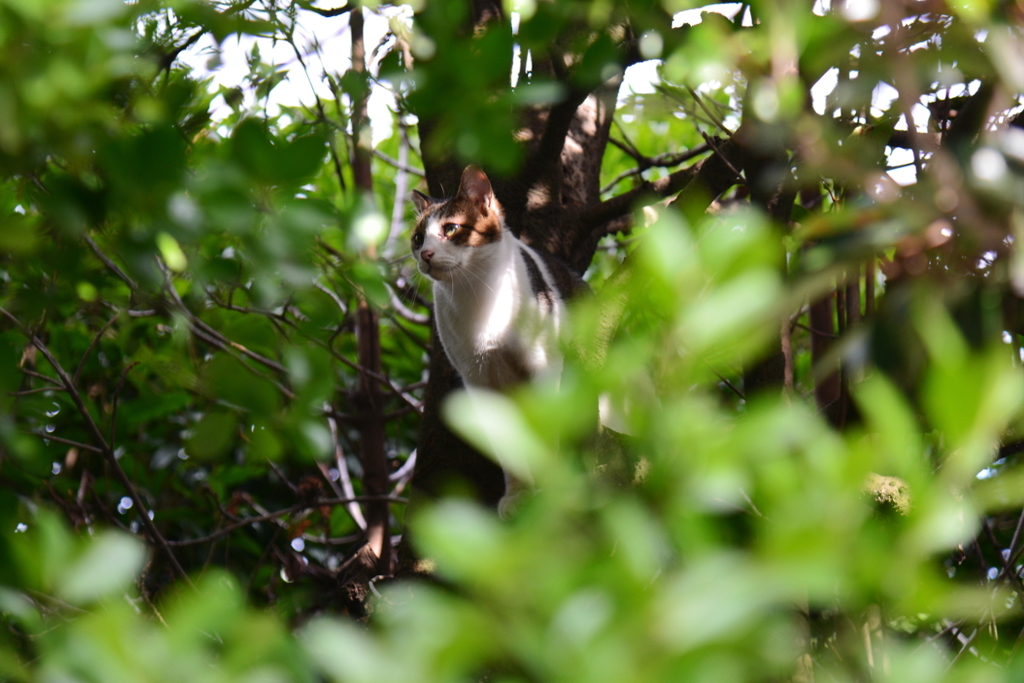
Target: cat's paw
{"points": [[511, 502]]}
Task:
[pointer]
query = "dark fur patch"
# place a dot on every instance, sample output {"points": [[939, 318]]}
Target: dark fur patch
{"points": [[502, 364], [568, 283], [538, 285], [419, 232]]}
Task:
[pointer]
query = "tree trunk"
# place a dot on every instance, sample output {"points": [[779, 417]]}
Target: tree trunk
{"points": [[368, 399], [553, 202]]}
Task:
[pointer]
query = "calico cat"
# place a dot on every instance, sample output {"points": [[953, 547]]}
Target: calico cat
{"points": [[498, 303]]}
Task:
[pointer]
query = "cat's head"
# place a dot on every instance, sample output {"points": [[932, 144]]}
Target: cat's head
{"points": [[453, 233]]}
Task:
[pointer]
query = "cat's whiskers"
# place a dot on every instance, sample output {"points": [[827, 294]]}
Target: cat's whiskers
{"points": [[398, 259], [470, 270]]}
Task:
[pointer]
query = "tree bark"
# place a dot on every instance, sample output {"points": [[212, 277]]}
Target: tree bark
{"points": [[368, 399]]}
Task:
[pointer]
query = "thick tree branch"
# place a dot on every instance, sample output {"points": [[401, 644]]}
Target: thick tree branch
{"points": [[695, 186], [486, 10], [904, 139], [368, 397], [375, 474], [167, 58], [547, 157], [361, 169], [552, 140], [766, 168], [328, 13]]}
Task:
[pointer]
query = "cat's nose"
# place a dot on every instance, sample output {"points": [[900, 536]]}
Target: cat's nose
{"points": [[426, 255]]}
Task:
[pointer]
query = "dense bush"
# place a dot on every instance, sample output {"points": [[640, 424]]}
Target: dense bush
{"points": [[214, 359]]}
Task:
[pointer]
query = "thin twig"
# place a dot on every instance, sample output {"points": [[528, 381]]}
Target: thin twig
{"points": [[403, 475], [117, 395], [1007, 568], [344, 478], [729, 384], [329, 292], [92, 345], [57, 601], [277, 470], [406, 468], [719, 154], [167, 59], [69, 442], [319, 103], [399, 164], [212, 336], [30, 392], [410, 334], [39, 375], [813, 331], [626, 145], [1014, 556], [401, 195], [412, 402], [966, 645], [132, 285], [700, 103], [287, 511], [406, 312], [646, 192], [949, 627], [224, 346], [666, 160]]}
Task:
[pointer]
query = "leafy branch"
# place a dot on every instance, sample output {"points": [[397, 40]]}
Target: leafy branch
{"points": [[103, 445]]}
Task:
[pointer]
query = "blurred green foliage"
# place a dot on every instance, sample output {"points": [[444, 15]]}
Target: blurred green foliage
{"points": [[179, 273]]}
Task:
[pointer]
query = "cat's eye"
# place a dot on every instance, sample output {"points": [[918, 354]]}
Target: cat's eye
{"points": [[450, 228], [417, 240]]}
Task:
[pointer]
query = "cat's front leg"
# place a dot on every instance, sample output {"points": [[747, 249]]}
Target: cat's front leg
{"points": [[516, 493]]}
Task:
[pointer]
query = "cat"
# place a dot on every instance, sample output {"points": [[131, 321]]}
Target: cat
{"points": [[499, 305]]}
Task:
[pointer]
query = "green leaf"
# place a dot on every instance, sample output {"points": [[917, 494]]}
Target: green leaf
{"points": [[224, 377], [494, 425], [18, 234], [300, 159], [253, 149], [213, 435], [110, 563], [264, 444]]}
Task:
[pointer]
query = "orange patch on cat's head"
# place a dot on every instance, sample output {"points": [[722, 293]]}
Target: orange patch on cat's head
{"points": [[474, 208]]}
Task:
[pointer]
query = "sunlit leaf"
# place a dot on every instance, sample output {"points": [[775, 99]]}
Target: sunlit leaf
{"points": [[109, 564]]}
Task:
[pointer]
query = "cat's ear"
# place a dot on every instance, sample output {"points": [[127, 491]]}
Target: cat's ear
{"points": [[476, 187], [422, 201]]}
